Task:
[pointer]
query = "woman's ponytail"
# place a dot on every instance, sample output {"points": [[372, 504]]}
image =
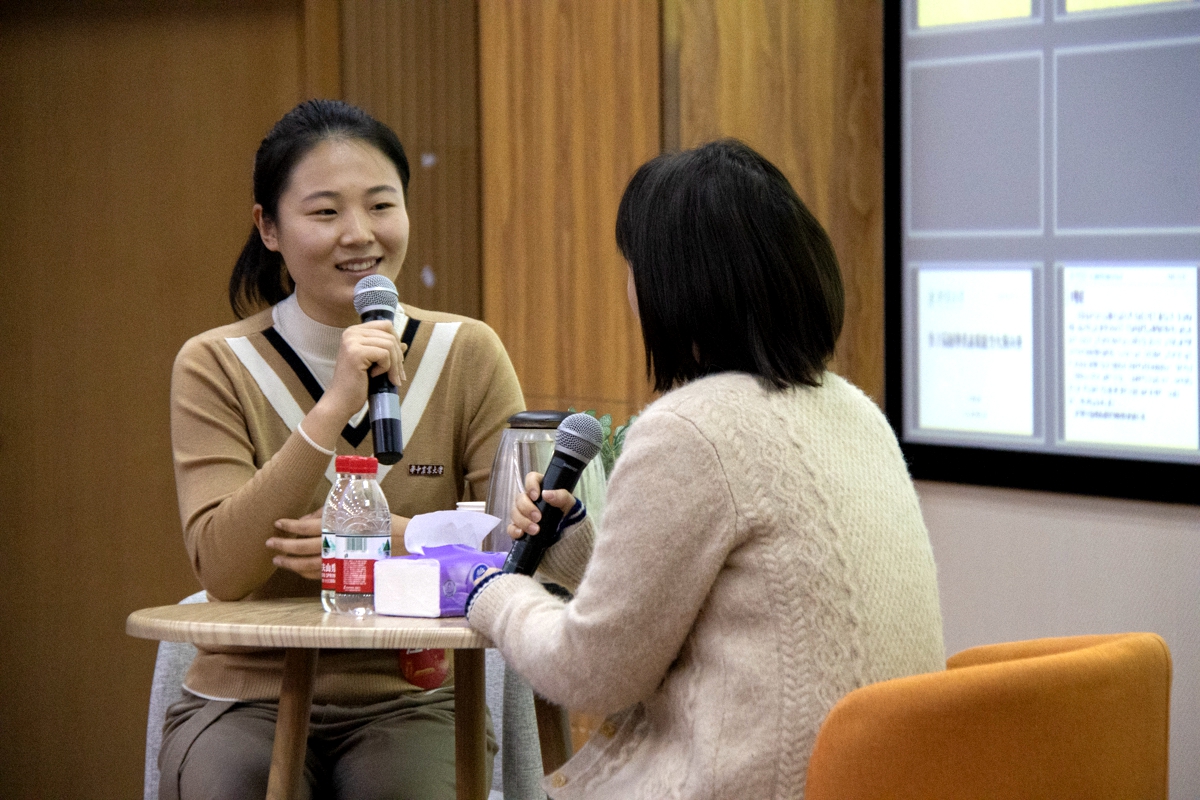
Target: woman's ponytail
{"points": [[258, 278]]}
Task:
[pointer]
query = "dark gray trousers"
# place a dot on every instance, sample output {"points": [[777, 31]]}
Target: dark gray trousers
{"points": [[401, 749]]}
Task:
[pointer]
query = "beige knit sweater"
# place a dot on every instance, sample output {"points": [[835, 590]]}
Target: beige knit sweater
{"points": [[239, 466], [762, 554]]}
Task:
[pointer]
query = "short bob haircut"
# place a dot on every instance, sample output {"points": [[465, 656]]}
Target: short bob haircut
{"points": [[259, 276], [732, 272]]}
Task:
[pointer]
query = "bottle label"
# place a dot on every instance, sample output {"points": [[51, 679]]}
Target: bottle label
{"points": [[355, 558], [329, 562]]}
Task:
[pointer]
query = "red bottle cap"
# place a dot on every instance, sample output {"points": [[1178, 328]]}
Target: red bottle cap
{"points": [[357, 465]]}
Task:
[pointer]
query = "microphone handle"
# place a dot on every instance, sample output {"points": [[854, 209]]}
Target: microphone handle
{"points": [[526, 553], [386, 432]]}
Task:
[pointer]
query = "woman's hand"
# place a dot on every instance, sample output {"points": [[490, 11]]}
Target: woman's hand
{"points": [[525, 516], [299, 546], [368, 349]]}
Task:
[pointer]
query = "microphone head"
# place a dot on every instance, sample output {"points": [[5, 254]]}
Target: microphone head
{"points": [[579, 435], [375, 293]]}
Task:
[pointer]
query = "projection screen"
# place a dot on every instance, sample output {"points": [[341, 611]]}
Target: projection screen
{"points": [[1042, 241]]}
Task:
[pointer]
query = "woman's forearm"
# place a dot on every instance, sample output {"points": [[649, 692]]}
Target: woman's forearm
{"points": [[651, 568], [566, 561], [226, 534], [227, 504]]}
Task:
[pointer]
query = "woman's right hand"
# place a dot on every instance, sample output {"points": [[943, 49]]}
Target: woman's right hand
{"points": [[367, 349], [525, 516]]}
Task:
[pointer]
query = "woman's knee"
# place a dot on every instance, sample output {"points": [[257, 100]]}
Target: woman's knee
{"points": [[231, 759], [409, 756]]}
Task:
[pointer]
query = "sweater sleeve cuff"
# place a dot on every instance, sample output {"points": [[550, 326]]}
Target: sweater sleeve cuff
{"points": [[479, 588], [573, 517], [565, 562], [489, 597]]}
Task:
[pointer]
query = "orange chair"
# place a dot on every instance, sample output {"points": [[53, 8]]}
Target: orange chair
{"points": [[1077, 717]]}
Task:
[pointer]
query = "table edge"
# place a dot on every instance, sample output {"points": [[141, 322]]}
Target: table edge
{"points": [[140, 624]]}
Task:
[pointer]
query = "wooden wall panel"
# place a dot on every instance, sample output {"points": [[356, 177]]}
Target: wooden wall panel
{"points": [[127, 135], [412, 64], [569, 108], [321, 58], [802, 84]]}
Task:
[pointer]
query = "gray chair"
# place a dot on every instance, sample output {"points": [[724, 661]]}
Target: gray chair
{"points": [[518, 769]]}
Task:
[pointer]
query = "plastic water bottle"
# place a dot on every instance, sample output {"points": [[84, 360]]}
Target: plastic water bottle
{"points": [[356, 531]]}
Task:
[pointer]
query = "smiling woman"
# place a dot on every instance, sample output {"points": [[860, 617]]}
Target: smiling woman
{"points": [[258, 410], [341, 217]]}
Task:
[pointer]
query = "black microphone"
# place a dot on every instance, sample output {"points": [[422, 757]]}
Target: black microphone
{"points": [[576, 442], [375, 297]]}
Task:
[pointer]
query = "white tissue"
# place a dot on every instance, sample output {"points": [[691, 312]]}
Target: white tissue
{"points": [[468, 528], [408, 587]]}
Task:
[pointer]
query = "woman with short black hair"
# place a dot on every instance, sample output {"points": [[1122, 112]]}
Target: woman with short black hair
{"points": [[762, 552], [732, 272]]}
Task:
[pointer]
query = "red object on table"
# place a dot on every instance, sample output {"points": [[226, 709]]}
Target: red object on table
{"points": [[424, 668]]}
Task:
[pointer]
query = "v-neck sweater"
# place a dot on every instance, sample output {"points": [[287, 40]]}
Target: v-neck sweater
{"points": [[239, 466]]}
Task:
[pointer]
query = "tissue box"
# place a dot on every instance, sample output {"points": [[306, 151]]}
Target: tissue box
{"points": [[434, 584]]}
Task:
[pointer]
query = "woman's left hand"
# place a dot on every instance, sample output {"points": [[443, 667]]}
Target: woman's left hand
{"points": [[299, 549], [525, 516]]}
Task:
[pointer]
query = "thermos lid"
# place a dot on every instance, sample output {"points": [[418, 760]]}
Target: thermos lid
{"points": [[357, 465], [548, 419]]}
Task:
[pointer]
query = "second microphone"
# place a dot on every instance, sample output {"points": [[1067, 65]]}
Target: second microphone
{"points": [[576, 442]]}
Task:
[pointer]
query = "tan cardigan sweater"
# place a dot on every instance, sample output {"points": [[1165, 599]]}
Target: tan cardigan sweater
{"points": [[762, 554], [239, 466]]}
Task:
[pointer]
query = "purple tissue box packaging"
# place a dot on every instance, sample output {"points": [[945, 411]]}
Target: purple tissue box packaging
{"points": [[433, 584]]}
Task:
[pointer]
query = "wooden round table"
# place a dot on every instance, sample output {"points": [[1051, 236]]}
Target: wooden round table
{"points": [[301, 627]]}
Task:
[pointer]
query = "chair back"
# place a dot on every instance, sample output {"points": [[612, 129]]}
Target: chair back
{"points": [[166, 688], [1075, 717]]}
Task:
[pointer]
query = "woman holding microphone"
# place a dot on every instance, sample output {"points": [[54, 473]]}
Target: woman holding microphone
{"points": [[260, 407], [762, 551]]}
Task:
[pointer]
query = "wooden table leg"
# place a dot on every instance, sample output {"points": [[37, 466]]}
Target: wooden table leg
{"points": [[470, 726], [291, 727]]}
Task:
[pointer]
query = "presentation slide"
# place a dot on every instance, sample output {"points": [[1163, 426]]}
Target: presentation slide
{"points": [[1049, 227], [976, 350], [957, 12], [1073, 6], [1129, 352]]}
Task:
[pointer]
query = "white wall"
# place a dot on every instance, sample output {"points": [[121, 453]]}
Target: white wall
{"points": [[1021, 565]]}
